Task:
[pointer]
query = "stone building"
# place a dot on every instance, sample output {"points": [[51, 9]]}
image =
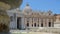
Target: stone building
{"points": [[57, 20], [28, 18]]}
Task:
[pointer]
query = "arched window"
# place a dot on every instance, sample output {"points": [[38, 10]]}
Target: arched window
{"points": [[41, 24], [35, 24], [49, 24], [27, 24], [32, 25]]}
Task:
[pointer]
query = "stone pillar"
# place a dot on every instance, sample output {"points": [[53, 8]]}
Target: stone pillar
{"points": [[25, 22], [39, 22], [15, 20], [47, 23], [36, 22], [52, 23], [13, 24], [31, 22], [44, 22], [22, 23]]}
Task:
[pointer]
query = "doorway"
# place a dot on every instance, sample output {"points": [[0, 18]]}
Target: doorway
{"points": [[41, 24], [49, 24], [19, 23]]}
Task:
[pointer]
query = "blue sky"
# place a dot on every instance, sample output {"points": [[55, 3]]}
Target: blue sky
{"points": [[43, 5]]}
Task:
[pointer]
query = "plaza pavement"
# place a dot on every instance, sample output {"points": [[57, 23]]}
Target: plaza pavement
{"points": [[28, 32]]}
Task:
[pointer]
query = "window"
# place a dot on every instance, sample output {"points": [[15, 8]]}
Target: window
{"points": [[49, 24], [41, 24], [27, 24], [35, 24], [11, 18], [32, 25]]}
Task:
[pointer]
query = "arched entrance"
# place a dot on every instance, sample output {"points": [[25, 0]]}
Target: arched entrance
{"points": [[34, 24], [27, 24], [19, 23], [49, 24], [41, 24]]}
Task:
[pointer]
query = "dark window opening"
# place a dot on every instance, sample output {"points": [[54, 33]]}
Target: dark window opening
{"points": [[19, 23], [27, 24], [35, 24], [41, 24], [32, 25], [49, 24]]}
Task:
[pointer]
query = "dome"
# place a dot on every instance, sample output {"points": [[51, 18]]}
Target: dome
{"points": [[27, 8]]}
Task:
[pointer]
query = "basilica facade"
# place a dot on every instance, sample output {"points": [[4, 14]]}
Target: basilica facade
{"points": [[28, 18]]}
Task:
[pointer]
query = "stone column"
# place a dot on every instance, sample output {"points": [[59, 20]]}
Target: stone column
{"points": [[39, 22], [31, 22], [25, 22], [22, 23], [13, 23], [52, 23], [15, 20], [47, 23], [44, 22]]}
